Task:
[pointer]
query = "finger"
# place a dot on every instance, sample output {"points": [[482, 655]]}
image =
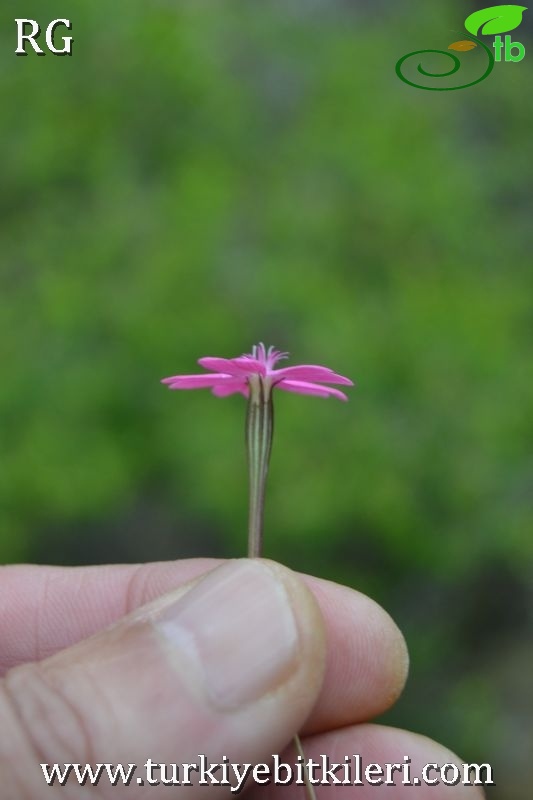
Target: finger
{"points": [[366, 658], [46, 609], [228, 668], [373, 747]]}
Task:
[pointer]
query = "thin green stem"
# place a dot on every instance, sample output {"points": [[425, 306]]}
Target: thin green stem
{"points": [[259, 432]]}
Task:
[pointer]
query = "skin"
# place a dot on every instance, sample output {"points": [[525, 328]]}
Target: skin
{"points": [[84, 678]]}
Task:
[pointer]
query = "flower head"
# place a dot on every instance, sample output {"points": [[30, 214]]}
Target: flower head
{"points": [[255, 371]]}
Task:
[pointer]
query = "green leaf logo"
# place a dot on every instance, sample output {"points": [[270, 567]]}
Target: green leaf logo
{"points": [[493, 20]]}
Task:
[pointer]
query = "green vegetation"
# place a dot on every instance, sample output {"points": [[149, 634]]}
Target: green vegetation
{"points": [[199, 177]]}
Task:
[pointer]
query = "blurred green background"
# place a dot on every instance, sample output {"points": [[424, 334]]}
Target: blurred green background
{"points": [[201, 176]]}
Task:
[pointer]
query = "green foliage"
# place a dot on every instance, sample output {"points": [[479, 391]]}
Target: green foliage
{"points": [[199, 177]]}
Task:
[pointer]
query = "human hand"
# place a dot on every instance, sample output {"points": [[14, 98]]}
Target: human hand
{"points": [[223, 659]]}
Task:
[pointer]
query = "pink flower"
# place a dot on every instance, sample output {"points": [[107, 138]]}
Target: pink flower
{"points": [[256, 371]]}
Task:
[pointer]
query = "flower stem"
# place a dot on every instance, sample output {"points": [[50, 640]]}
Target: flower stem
{"points": [[309, 788], [259, 433]]}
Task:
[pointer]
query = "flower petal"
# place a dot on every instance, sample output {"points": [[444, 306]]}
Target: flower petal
{"points": [[230, 375], [311, 372], [206, 381], [241, 366], [231, 387], [303, 387]]}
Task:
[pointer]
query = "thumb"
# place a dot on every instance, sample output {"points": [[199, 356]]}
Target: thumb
{"points": [[228, 667]]}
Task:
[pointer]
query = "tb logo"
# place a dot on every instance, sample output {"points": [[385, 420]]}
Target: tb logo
{"points": [[23, 37], [487, 21]]}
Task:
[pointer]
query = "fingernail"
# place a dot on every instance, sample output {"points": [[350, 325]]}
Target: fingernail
{"points": [[238, 627]]}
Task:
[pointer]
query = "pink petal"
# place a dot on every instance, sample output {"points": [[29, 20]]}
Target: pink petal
{"points": [[196, 381], [231, 387], [303, 387], [311, 372], [237, 367]]}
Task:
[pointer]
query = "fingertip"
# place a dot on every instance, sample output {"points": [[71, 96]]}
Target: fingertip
{"points": [[367, 660], [396, 659]]}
